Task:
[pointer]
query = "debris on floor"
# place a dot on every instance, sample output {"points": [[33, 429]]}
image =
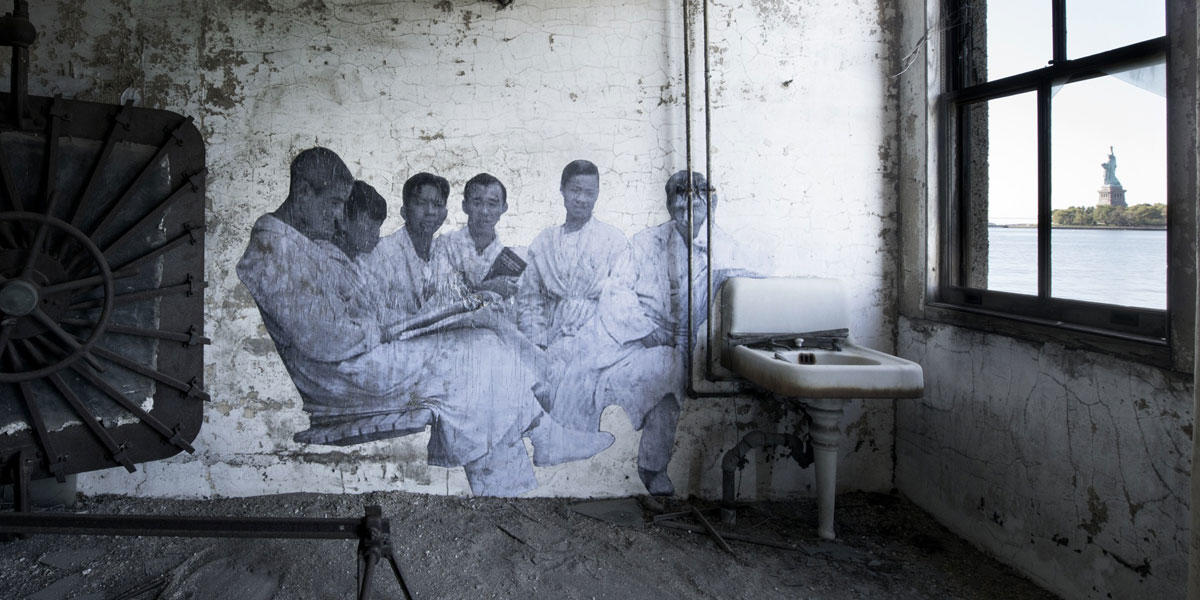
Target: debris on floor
{"points": [[456, 547]]}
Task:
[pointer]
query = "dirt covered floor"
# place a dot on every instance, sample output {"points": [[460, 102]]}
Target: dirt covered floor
{"points": [[452, 547]]}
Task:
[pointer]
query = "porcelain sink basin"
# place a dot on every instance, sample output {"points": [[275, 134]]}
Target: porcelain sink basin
{"points": [[852, 372], [776, 312]]}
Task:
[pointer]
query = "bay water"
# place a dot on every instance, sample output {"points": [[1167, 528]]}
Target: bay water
{"points": [[1127, 267]]}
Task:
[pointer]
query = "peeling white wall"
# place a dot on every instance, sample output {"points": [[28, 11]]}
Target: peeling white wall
{"points": [[803, 139], [1071, 465]]}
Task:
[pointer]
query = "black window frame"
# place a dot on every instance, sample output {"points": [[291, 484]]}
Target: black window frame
{"points": [[1146, 327]]}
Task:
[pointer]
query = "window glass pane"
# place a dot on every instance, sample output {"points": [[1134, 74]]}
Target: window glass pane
{"points": [[1109, 242], [1018, 37], [1098, 25], [1001, 187]]}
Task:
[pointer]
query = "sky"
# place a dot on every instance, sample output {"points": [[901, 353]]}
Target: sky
{"points": [[1086, 117]]}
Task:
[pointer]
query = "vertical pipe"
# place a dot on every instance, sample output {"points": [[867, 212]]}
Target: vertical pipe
{"points": [[691, 300], [708, 210], [687, 113]]}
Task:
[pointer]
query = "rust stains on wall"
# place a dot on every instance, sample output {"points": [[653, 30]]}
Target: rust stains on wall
{"points": [[222, 91]]}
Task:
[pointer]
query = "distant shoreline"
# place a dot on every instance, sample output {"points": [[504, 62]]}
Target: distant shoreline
{"points": [[1128, 227]]}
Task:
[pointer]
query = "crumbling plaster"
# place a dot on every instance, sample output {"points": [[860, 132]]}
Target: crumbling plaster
{"points": [[1074, 466], [803, 155], [1071, 465]]}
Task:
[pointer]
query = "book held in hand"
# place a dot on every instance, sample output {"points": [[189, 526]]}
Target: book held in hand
{"points": [[507, 264]]}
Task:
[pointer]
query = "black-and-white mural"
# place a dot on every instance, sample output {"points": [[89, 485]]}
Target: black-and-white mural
{"points": [[484, 344]]}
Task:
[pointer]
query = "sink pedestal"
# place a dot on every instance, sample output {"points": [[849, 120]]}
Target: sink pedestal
{"points": [[764, 325], [825, 414]]}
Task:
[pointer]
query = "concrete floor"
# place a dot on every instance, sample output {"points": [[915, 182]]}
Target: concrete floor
{"points": [[452, 547]]}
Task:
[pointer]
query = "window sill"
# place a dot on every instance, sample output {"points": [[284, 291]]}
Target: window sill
{"points": [[1149, 351]]}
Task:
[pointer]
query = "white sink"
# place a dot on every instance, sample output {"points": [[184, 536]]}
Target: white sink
{"points": [[852, 372], [783, 309]]}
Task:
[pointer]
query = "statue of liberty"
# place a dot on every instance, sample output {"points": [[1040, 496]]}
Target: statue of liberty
{"points": [[1110, 169]]}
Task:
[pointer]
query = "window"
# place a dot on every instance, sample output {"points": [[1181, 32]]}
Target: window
{"points": [[1054, 185]]}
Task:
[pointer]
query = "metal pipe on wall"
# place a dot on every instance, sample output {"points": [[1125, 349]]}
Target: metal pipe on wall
{"points": [[687, 150], [708, 210]]}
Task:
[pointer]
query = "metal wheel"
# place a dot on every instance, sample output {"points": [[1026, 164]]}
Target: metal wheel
{"points": [[35, 296], [101, 291]]}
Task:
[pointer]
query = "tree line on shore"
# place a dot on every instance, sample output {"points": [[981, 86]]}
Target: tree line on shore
{"points": [[1138, 215]]}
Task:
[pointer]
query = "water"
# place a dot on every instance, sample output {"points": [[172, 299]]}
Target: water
{"points": [[1115, 266]]}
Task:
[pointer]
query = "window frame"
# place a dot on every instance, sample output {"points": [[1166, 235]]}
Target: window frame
{"points": [[1138, 332]]}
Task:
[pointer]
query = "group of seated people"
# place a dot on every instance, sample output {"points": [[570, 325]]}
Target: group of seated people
{"points": [[483, 344]]}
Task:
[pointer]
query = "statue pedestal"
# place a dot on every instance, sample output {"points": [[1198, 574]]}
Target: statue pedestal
{"points": [[1111, 195]]}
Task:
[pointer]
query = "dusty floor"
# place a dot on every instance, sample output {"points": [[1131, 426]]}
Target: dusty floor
{"points": [[453, 547]]}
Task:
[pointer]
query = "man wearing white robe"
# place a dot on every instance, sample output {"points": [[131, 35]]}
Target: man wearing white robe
{"points": [[660, 252], [362, 381], [577, 300], [464, 258], [570, 266], [402, 264], [661, 255], [458, 256]]}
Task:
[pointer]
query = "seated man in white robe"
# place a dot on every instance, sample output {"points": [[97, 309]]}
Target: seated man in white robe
{"points": [[570, 265], [577, 300], [660, 252], [661, 255], [403, 261], [472, 259], [361, 379]]}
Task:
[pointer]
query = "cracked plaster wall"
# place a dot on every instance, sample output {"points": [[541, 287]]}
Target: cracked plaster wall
{"points": [[803, 146], [1073, 466]]}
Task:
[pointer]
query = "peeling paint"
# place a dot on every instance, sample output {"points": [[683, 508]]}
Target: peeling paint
{"points": [[860, 430], [774, 13], [1098, 511], [1056, 440], [259, 346], [239, 298], [352, 459]]}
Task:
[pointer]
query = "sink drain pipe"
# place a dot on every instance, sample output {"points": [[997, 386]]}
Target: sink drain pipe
{"points": [[799, 446]]}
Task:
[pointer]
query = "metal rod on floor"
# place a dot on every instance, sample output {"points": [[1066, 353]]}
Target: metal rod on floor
{"points": [[373, 532], [733, 536], [179, 526], [713, 532]]}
